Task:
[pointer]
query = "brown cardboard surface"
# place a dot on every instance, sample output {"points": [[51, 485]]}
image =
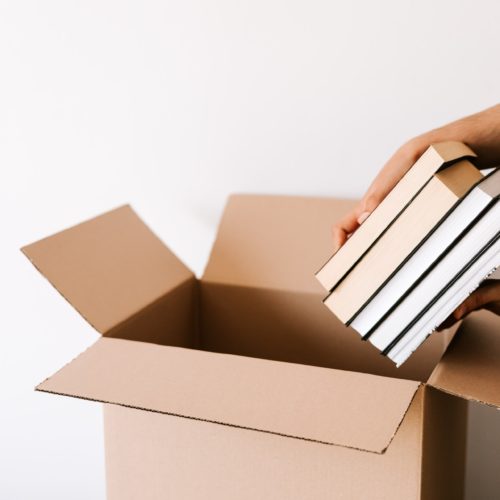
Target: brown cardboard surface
{"points": [[296, 327], [171, 320], [274, 241], [470, 368], [349, 409], [184, 459], [444, 442], [109, 267], [251, 304]]}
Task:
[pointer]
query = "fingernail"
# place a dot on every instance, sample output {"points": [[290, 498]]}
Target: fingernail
{"points": [[363, 217]]}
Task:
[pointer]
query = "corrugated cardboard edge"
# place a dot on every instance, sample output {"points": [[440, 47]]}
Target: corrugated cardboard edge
{"points": [[467, 398], [22, 249], [419, 386], [235, 426], [382, 450], [134, 314], [461, 329]]}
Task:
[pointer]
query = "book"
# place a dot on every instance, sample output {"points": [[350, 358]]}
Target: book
{"points": [[401, 238], [466, 254], [444, 236], [484, 264], [435, 158]]}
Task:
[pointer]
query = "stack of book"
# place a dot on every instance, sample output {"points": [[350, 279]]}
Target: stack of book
{"points": [[419, 254]]}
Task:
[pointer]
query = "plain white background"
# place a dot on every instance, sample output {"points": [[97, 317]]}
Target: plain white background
{"points": [[173, 105]]}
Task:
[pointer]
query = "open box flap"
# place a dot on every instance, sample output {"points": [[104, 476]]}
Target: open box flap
{"points": [[109, 267], [274, 241], [329, 406], [470, 368]]}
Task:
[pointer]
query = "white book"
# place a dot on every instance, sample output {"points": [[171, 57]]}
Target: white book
{"points": [[449, 229], [446, 304], [435, 282]]}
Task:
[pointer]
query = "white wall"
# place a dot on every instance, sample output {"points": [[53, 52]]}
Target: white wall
{"points": [[171, 106]]}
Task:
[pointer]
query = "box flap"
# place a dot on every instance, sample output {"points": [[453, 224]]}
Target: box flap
{"points": [[274, 241], [338, 407], [109, 267], [470, 368]]}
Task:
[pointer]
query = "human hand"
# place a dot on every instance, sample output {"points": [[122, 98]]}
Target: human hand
{"points": [[486, 296], [481, 132]]}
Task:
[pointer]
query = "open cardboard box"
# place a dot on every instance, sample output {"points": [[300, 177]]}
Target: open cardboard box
{"points": [[281, 400]]}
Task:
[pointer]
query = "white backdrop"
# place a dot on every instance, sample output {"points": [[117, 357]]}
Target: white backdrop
{"points": [[171, 106]]}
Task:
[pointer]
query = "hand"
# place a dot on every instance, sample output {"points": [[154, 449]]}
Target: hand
{"points": [[481, 132], [486, 296]]}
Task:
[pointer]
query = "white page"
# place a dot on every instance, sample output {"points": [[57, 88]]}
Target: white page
{"points": [[450, 266], [421, 260], [454, 296]]}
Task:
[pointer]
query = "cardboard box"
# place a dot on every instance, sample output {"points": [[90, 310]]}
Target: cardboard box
{"points": [[241, 384]]}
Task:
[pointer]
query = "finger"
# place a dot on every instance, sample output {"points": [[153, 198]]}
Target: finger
{"points": [[447, 323], [488, 294], [386, 179], [395, 168], [348, 225], [339, 237], [367, 205], [342, 229]]}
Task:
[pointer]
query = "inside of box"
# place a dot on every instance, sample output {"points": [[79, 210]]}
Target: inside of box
{"points": [[270, 324], [258, 296], [297, 327]]}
